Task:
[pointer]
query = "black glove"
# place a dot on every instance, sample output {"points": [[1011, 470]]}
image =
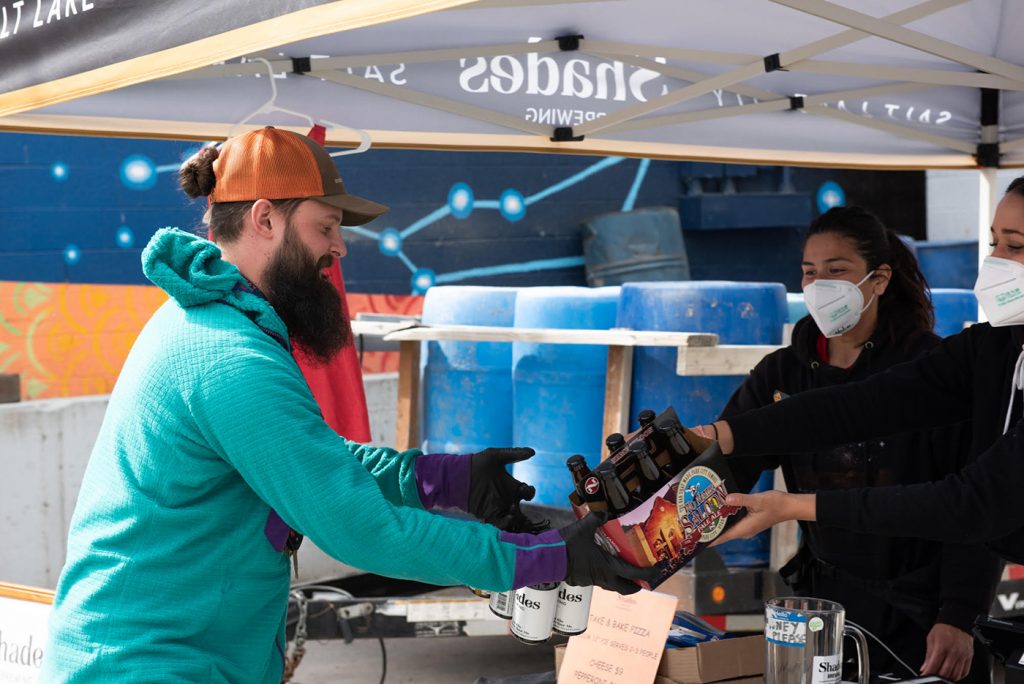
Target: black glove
{"points": [[589, 564], [494, 495]]}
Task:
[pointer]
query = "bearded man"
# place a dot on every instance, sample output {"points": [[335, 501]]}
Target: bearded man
{"points": [[213, 459]]}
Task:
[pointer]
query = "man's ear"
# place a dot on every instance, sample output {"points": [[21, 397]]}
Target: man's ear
{"points": [[260, 215]]}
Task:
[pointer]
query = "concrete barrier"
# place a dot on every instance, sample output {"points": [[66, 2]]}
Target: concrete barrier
{"points": [[44, 447]]}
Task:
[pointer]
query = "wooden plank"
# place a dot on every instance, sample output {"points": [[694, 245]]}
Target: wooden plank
{"points": [[21, 592], [480, 333], [407, 427], [378, 328], [617, 392], [725, 359]]}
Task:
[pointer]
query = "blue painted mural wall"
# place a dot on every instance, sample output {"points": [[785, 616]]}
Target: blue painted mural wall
{"points": [[80, 210]]}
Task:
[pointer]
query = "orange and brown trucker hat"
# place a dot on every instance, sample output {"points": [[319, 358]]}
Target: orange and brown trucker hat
{"points": [[273, 163]]}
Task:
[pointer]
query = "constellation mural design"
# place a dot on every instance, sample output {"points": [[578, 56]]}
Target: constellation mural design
{"points": [[140, 173], [512, 206]]}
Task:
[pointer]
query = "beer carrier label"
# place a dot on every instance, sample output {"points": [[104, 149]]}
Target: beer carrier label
{"points": [[786, 628], [700, 495]]}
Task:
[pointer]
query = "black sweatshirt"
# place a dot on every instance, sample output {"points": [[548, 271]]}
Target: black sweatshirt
{"points": [[951, 583], [967, 377]]}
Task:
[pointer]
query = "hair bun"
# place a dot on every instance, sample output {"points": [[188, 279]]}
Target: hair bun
{"points": [[210, 151], [196, 175]]}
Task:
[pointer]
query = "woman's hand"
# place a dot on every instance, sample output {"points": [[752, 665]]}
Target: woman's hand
{"points": [[718, 431], [766, 510], [950, 652]]}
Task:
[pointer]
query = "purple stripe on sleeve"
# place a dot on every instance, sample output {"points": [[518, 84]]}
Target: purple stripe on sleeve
{"points": [[539, 557], [443, 480], [276, 531]]}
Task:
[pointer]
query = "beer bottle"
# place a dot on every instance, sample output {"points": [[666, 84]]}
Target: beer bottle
{"points": [[656, 442], [614, 492], [679, 448], [577, 465], [629, 476], [649, 471], [614, 442], [588, 486]]}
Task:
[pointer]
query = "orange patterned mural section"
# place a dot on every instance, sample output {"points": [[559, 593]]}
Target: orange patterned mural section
{"points": [[70, 340]]}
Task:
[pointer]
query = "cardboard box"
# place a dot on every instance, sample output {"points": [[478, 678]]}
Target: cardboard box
{"points": [[730, 661], [715, 661]]}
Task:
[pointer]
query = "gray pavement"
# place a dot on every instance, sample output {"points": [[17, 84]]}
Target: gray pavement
{"points": [[446, 660]]}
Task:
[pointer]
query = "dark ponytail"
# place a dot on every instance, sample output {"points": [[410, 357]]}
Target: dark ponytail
{"points": [[224, 219], [904, 311]]}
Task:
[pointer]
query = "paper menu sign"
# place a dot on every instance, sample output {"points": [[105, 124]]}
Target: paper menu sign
{"points": [[624, 640]]}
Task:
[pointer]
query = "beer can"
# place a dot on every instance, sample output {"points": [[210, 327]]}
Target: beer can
{"points": [[501, 604], [573, 611], [482, 593], [533, 612]]}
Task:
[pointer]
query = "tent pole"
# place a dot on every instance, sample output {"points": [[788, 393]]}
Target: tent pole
{"points": [[988, 169], [988, 198]]}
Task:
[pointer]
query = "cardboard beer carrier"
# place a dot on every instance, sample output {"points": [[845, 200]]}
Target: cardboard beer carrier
{"points": [[664, 488]]}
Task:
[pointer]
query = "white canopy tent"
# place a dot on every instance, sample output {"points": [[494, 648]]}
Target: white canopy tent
{"points": [[895, 84]]}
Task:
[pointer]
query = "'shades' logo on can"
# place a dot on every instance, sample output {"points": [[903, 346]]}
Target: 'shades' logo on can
{"points": [[700, 503], [592, 485]]}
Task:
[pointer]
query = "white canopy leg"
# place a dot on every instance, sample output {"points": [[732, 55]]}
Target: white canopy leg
{"points": [[988, 198]]}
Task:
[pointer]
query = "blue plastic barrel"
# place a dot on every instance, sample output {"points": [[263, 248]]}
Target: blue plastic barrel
{"points": [[558, 389], [948, 263], [643, 244], [467, 386], [954, 308], [796, 307], [740, 313]]}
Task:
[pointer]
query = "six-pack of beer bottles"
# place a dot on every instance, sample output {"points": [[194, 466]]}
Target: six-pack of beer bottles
{"points": [[636, 467]]}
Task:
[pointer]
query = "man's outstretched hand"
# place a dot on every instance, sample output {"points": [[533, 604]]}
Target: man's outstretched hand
{"points": [[590, 565], [494, 495]]}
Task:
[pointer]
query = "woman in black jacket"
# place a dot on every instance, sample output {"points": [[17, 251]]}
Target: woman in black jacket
{"points": [[976, 375], [870, 311]]}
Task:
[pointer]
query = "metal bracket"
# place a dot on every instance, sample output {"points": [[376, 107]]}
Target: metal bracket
{"points": [[569, 43], [564, 134], [988, 155], [773, 63]]}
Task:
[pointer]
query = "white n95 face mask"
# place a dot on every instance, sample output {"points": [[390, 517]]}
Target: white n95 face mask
{"points": [[836, 305], [1000, 291]]}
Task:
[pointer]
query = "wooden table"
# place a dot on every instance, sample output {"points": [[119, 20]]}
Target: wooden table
{"points": [[699, 354]]}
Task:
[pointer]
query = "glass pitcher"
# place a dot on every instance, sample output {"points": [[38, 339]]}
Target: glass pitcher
{"points": [[804, 642]]}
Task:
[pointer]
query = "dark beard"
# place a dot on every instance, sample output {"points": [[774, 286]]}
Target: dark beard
{"points": [[306, 301]]}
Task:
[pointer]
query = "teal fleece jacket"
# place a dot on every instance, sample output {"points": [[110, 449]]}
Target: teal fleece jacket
{"points": [[171, 575]]}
